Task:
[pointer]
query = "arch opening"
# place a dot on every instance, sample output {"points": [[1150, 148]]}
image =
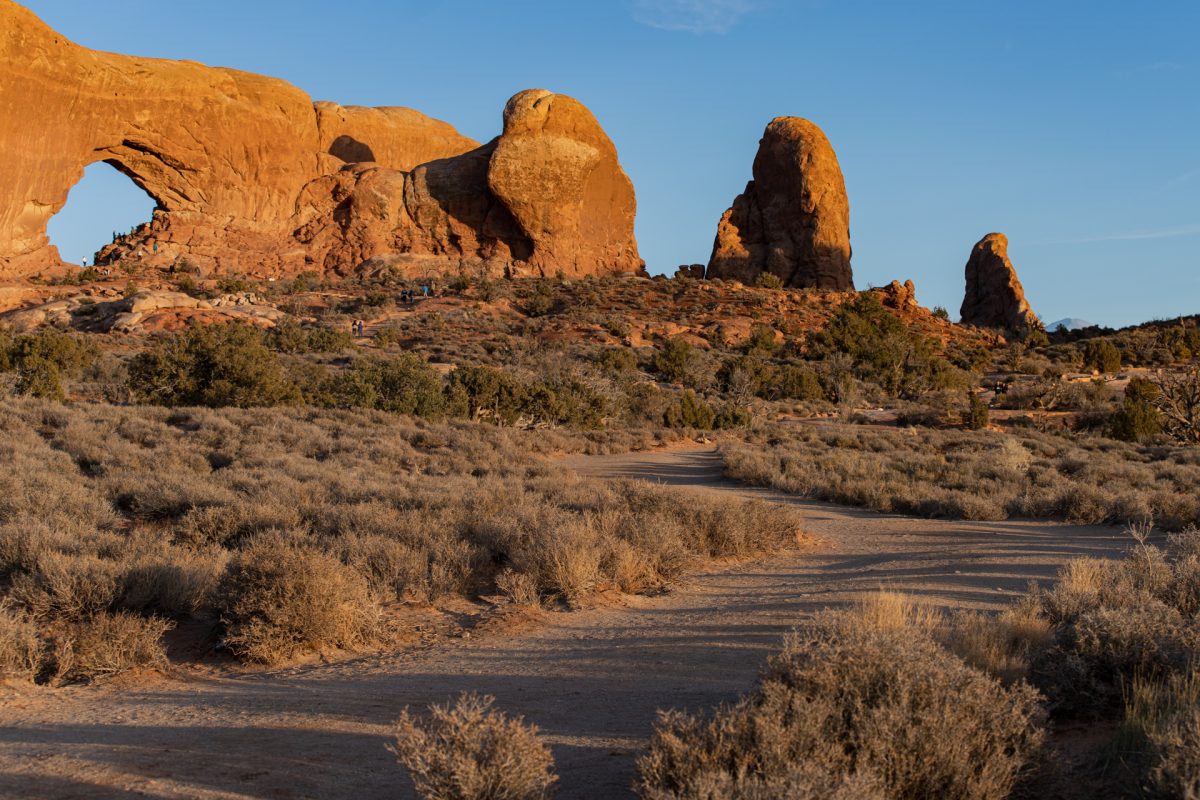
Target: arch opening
{"points": [[105, 204]]}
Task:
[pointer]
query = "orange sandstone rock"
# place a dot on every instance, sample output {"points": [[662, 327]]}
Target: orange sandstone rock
{"points": [[793, 220], [249, 175], [994, 297]]}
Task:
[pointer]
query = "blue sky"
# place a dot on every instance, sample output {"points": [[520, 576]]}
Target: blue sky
{"points": [[1073, 126]]}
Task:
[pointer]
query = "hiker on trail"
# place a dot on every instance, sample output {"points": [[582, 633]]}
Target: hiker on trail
{"points": [[425, 291], [84, 264]]}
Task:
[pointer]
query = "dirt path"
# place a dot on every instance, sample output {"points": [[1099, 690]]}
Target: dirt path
{"points": [[591, 680]]}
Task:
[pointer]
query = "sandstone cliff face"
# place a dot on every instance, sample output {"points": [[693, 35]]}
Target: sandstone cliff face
{"points": [[556, 172], [399, 138], [251, 176], [546, 196], [793, 220], [994, 297]]}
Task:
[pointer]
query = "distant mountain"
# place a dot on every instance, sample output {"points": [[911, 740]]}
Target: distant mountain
{"points": [[1069, 324]]}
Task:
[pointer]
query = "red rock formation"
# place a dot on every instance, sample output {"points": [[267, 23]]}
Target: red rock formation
{"points": [[793, 220], [556, 172], [994, 297], [546, 196], [399, 138], [251, 176], [900, 296]]}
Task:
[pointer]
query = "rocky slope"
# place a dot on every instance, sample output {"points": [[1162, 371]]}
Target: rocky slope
{"points": [[793, 220]]}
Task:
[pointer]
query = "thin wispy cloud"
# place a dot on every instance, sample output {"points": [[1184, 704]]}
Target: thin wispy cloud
{"points": [[1184, 177], [692, 16], [1135, 236]]}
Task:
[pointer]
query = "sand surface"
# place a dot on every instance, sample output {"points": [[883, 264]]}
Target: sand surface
{"points": [[592, 680]]}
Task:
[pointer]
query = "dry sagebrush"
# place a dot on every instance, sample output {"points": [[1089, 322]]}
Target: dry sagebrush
{"points": [[861, 704], [292, 528], [470, 751], [975, 474], [1113, 640]]}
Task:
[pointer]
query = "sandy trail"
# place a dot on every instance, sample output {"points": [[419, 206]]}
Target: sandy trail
{"points": [[591, 680]]}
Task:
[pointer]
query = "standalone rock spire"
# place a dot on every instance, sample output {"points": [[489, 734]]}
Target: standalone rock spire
{"points": [[994, 297], [250, 175], [793, 220]]}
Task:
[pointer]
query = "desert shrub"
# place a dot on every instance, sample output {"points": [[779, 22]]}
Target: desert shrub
{"points": [[729, 416], [689, 411], [1117, 621], [543, 300], [794, 382], [1137, 418], [617, 361], [68, 586], [38, 377], [856, 709], [43, 359], [20, 646], [469, 751], [498, 396], [883, 350], [762, 339], [107, 644], [768, 280], [1160, 735], [173, 582], [975, 475], [616, 326], [405, 384], [519, 588], [1101, 355], [1178, 404], [1002, 645], [234, 284], [289, 336], [747, 376], [977, 413], [484, 392], [388, 336], [674, 359], [306, 281], [219, 365], [280, 598]]}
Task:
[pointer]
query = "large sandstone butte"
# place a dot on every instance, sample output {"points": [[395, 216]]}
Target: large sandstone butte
{"points": [[250, 175], [994, 297], [793, 220]]}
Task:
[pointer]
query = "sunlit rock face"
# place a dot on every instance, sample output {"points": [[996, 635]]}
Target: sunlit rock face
{"points": [[250, 175], [793, 220]]}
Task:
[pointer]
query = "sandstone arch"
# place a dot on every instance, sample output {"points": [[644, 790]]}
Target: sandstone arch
{"points": [[106, 200], [250, 175]]}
